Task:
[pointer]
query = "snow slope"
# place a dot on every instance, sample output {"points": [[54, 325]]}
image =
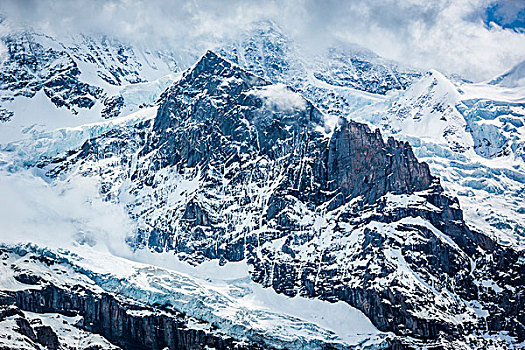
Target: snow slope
{"points": [[512, 79]]}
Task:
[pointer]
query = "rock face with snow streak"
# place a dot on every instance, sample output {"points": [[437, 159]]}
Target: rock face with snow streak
{"points": [[235, 168], [360, 163], [31, 67], [229, 112], [97, 317], [124, 324]]}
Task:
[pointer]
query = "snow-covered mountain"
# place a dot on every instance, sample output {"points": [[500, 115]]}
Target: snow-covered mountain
{"points": [[46, 83], [252, 159], [472, 136], [515, 78], [94, 77]]}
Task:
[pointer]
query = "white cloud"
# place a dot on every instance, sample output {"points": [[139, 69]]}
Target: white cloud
{"points": [[448, 35], [278, 97], [60, 215]]}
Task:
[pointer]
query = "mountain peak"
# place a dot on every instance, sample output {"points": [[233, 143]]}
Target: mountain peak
{"points": [[214, 80], [212, 64], [210, 59], [513, 78]]}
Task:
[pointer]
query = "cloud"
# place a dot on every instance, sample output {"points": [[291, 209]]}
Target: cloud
{"points": [[450, 36], [279, 97], [59, 215]]}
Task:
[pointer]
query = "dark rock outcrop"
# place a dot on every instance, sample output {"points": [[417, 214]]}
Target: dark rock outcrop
{"points": [[360, 163], [112, 107], [24, 328], [125, 324], [47, 337]]}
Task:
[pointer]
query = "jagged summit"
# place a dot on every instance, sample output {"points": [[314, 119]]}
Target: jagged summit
{"points": [[211, 64], [213, 76], [221, 100], [219, 93]]}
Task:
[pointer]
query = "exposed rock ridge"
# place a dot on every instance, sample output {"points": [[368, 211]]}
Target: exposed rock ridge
{"points": [[354, 161]]}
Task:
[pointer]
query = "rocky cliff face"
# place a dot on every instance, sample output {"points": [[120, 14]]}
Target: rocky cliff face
{"points": [[235, 168], [88, 312], [126, 325], [30, 67]]}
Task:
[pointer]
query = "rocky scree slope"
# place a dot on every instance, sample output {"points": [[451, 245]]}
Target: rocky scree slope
{"points": [[235, 168]]}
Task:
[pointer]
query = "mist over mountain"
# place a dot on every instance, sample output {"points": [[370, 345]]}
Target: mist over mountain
{"points": [[477, 39]]}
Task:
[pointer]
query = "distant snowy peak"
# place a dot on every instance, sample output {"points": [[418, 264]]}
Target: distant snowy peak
{"points": [[426, 110], [460, 116], [266, 51], [362, 70], [513, 78], [48, 83]]}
